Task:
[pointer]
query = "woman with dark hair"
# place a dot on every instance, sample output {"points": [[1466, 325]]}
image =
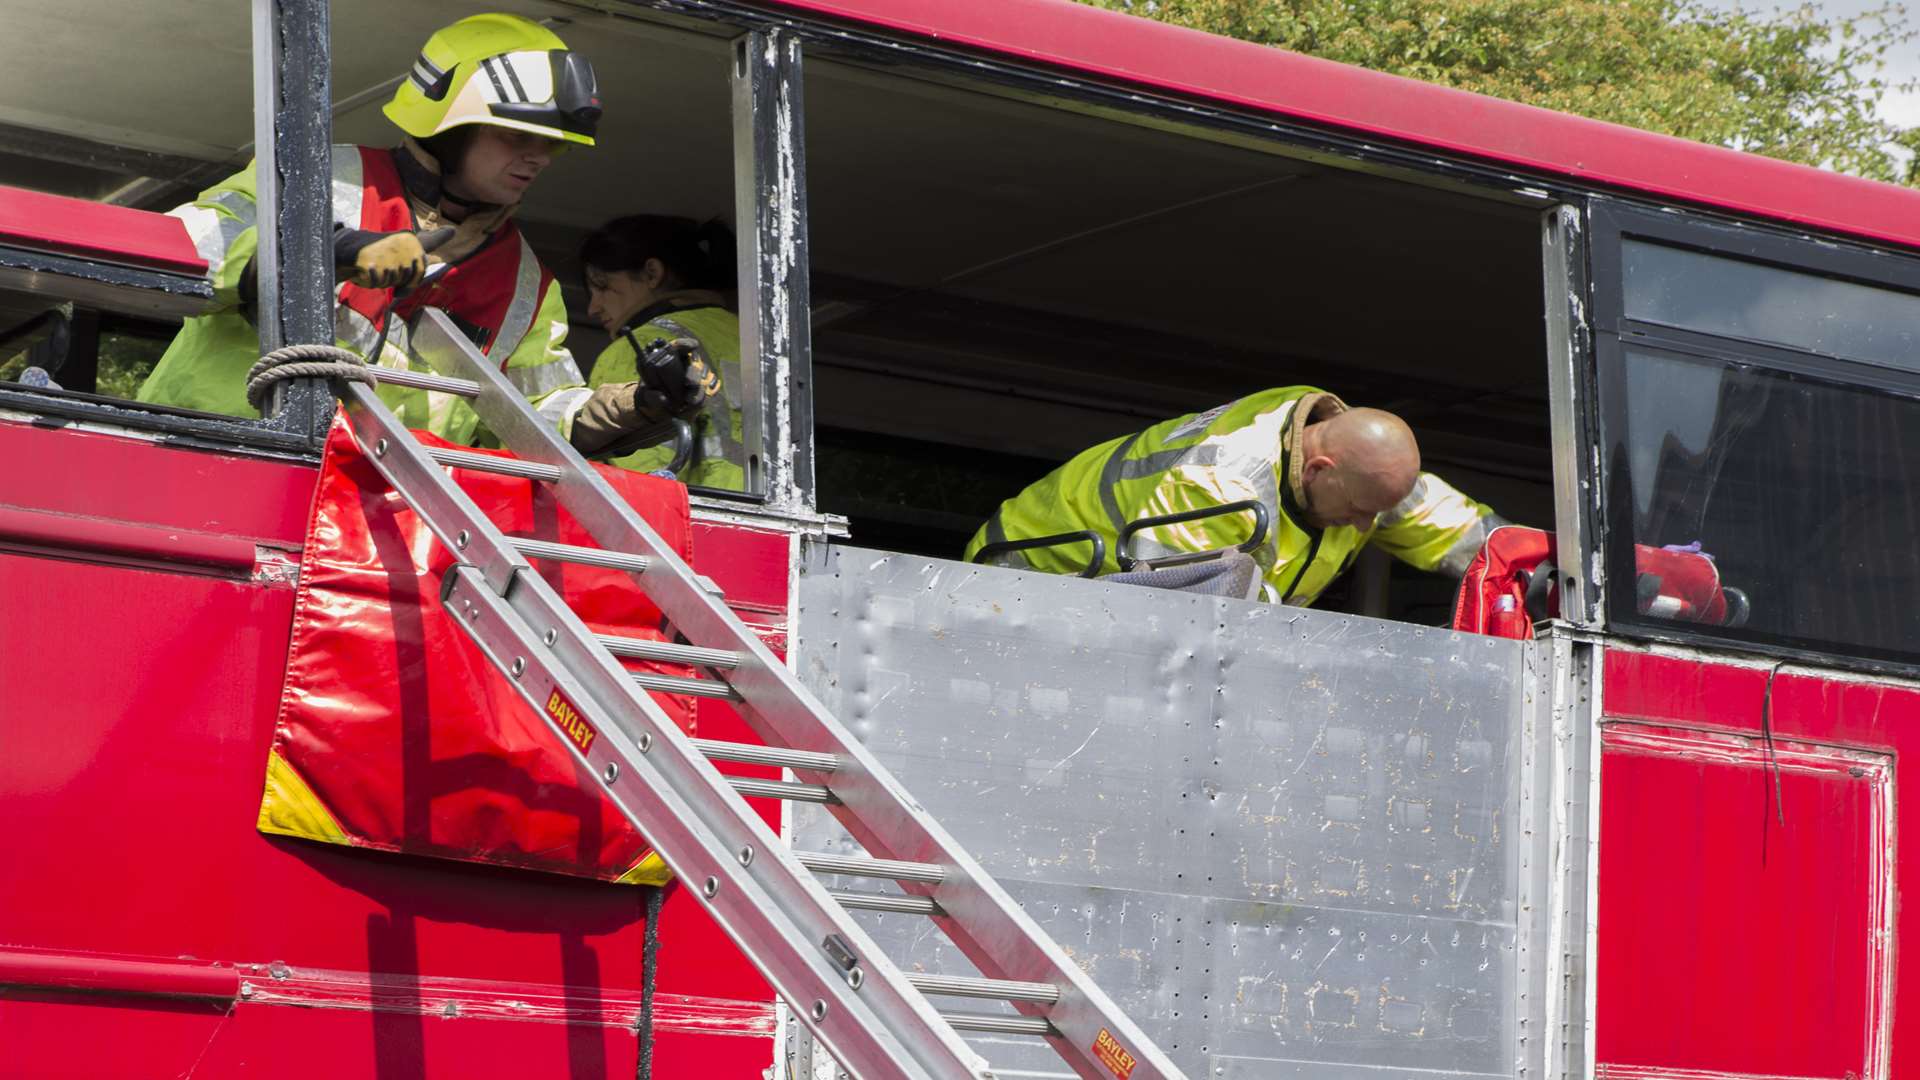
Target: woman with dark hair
{"points": [[653, 277]]}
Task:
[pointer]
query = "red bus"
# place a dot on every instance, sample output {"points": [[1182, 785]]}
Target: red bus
{"points": [[975, 239]]}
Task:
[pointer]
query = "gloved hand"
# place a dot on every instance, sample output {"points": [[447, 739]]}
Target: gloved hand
{"points": [[678, 373], [613, 413], [675, 383], [375, 260]]}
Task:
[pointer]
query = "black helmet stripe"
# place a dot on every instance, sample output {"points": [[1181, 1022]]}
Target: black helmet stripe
{"points": [[514, 78], [499, 87]]}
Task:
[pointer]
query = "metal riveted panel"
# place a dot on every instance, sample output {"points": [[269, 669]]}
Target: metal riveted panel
{"points": [[1288, 842]]}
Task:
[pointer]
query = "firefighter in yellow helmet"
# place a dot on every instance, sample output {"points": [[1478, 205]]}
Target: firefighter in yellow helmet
{"points": [[1332, 480], [487, 104]]}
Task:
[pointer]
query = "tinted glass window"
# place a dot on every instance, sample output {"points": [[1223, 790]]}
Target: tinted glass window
{"points": [[1717, 295], [1799, 489]]}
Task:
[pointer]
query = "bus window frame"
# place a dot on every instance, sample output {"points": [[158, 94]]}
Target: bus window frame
{"points": [[1614, 222], [292, 124]]}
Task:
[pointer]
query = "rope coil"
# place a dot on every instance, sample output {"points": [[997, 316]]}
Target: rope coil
{"points": [[302, 362]]}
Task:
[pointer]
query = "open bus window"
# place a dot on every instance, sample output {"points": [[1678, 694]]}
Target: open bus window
{"points": [[1000, 283], [664, 152], [81, 350]]}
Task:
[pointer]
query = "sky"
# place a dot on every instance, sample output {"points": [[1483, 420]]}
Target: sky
{"points": [[1902, 64]]}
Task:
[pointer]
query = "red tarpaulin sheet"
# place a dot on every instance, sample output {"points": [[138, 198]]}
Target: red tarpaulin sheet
{"points": [[395, 732]]}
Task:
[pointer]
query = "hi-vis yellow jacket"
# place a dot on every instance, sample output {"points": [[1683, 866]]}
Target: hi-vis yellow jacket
{"points": [[719, 453], [1239, 451], [501, 292]]}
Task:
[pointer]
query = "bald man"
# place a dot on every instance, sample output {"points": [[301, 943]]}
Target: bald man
{"points": [[1332, 479]]}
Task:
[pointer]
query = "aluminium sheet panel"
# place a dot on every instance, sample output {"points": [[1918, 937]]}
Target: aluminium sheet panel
{"points": [[1284, 840]]}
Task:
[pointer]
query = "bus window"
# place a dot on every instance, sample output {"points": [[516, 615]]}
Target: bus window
{"points": [[1736, 422], [1693, 290], [1000, 284], [652, 201]]}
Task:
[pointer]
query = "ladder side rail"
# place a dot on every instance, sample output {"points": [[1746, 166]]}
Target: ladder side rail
{"points": [[685, 807], [988, 926]]}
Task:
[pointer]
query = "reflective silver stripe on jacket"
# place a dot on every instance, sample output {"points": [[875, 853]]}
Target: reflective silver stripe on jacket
{"points": [[521, 310], [997, 534], [534, 382], [715, 422], [1460, 555], [560, 407], [349, 185], [357, 332], [213, 232], [1408, 506]]}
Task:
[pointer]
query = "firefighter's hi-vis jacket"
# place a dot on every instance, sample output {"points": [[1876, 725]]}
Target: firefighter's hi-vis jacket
{"points": [[499, 295], [1240, 451]]}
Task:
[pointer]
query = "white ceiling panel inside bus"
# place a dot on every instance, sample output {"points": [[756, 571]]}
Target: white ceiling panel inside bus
{"points": [[171, 81]]}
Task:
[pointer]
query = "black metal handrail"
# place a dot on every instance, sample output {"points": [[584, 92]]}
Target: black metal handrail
{"points": [[1262, 521], [1084, 536]]}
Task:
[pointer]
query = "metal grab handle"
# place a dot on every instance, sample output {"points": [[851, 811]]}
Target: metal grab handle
{"points": [[1084, 536], [675, 430], [1262, 521]]}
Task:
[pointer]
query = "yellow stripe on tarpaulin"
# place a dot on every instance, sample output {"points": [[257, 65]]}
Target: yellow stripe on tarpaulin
{"points": [[290, 808], [650, 870]]}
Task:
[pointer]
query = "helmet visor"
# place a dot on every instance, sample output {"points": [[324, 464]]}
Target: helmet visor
{"points": [[548, 87]]}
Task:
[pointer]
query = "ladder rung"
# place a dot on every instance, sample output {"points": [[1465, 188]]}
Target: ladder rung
{"points": [[640, 649], [503, 466], [767, 755], [420, 380], [586, 556], [859, 866], [781, 789], [675, 684], [897, 903], [999, 1023], [996, 989]]}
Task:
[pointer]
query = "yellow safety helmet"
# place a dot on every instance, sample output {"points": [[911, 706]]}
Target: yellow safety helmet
{"points": [[504, 70]]}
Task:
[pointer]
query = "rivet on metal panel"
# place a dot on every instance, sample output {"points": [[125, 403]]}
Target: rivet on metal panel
{"points": [[645, 742], [552, 636], [380, 448], [746, 855], [461, 540], [519, 666], [711, 888], [819, 1011], [613, 771]]}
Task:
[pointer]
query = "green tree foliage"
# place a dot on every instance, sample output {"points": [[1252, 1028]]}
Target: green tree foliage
{"points": [[1794, 84]]}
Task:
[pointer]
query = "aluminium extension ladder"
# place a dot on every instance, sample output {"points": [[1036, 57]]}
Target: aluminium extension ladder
{"points": [[874, 1019]]}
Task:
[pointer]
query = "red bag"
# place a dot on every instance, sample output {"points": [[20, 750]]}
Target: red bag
{"points": [[1493, 594], [1510, 583], [396, 733]]}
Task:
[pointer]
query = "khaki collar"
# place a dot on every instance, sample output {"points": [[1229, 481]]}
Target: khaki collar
{"points": [[470, 234], [1309, 409]]}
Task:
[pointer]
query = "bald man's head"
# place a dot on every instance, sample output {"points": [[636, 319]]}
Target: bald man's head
{"points": [[1359, 463]]}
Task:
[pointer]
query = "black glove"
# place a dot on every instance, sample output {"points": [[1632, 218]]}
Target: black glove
{"points": [[676, 376], [675, 384]]}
